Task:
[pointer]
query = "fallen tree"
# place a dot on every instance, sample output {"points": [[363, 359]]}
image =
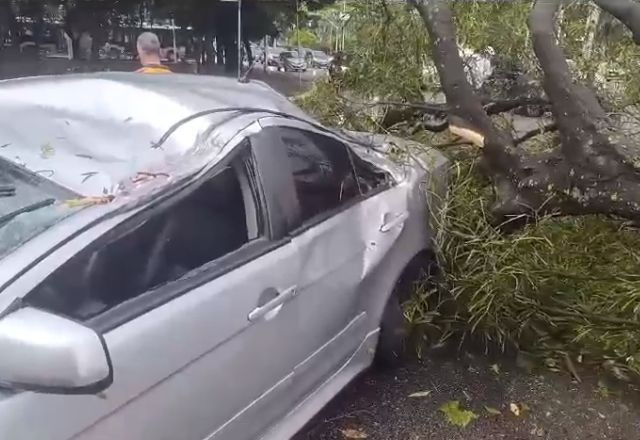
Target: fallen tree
{"points": [[594, 169]]}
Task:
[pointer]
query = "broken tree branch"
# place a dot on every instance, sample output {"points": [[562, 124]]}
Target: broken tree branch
{"points": [[506, 105], [465, 107], [467, 115], [552, 126], [594, 168]]}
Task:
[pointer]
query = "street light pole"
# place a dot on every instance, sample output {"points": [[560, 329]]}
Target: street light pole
{"points": [[175, 45], [240, 39]]}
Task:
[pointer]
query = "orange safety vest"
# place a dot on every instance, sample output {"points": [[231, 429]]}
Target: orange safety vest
{"points": [[154, 69]]}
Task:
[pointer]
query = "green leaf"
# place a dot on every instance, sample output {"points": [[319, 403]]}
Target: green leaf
{"points": [[46, 150], [456, 415]]}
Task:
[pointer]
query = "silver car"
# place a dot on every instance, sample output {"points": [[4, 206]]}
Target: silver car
{"points": [[317, 59], [292, 61], [192, 258]]}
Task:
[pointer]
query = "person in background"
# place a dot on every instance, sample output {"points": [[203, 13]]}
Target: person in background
{"points": [[148, 47]]}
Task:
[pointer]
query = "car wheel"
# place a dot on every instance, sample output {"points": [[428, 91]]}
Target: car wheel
{"points": [[394, 329]]}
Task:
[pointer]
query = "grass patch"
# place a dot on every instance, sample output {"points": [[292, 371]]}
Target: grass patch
{"points": [[562, 287]]}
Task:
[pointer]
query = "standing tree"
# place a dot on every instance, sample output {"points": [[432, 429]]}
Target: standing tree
{"points": [[596, 166], [216, 20], [7, 22]]}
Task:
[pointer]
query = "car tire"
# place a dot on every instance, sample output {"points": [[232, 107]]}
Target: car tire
{"points": [[394, 330]]}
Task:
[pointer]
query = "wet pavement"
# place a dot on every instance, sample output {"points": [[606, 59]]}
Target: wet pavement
{"points": [[551, 406]]}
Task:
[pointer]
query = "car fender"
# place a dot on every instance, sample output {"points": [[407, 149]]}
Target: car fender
{"points": [[378, 287], [428, 179]]}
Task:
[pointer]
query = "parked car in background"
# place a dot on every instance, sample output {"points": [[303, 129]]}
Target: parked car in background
{"points": [[188, 257], [112, 51], [292, 61], [317, 59], [272, 56]]}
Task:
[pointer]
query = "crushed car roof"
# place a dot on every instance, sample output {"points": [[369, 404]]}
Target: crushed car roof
{"points": [[90, 132]]}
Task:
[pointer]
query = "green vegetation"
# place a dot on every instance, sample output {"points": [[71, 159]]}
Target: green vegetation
{"points": [[560, 287], [304, 37], [566, 290]]}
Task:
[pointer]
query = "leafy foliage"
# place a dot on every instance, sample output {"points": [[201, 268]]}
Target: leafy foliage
{"points": [[476, 24], [305, 37], [561, 286], [614, 62], [456, 415], [388, 51]]}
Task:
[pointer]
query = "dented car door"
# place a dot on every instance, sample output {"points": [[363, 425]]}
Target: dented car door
{"points": [[328, 237]]}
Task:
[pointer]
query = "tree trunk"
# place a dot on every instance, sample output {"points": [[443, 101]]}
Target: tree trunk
{"points": [[627, 11], [591, 31], [231, 56], [208, 48], [219, 52], [593, 170], [248, 51]]}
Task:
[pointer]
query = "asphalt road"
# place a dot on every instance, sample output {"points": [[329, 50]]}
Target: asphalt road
{"points": [[288, 83], [379, 406]]}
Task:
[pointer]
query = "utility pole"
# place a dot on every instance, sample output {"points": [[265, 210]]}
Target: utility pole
{"points": [[175, 45], [240, 39]]}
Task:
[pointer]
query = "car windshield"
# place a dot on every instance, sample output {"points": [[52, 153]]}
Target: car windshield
{"points": [[29, 204], [319, 54], [289, 54]]}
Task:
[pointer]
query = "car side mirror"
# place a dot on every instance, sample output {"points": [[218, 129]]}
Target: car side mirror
{"points": [[46, 353]]}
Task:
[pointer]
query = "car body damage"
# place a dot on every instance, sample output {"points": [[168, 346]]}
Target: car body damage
{"points": [[95, 145], [215, 249]]}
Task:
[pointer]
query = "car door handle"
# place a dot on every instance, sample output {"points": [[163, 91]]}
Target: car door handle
{"points": [[271, 308], [397, 220]]}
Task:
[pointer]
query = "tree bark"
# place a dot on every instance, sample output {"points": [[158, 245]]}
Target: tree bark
{"points": [[627, 11], [593, 170], [467, 117], [208, 48], [248, 51], [591, 31]]}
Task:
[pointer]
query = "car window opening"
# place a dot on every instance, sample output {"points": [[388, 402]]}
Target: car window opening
{"points": [[326, 173], [209, 222]]}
